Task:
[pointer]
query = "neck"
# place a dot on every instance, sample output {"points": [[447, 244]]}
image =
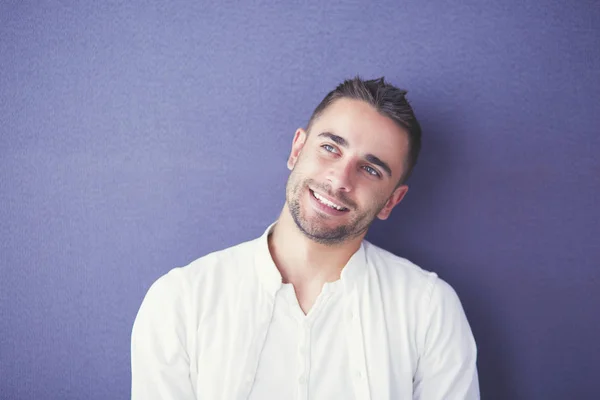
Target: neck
{"points": [[301, 260]]}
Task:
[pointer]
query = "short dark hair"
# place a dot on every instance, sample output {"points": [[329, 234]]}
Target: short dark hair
{"points": [[388, 100]]}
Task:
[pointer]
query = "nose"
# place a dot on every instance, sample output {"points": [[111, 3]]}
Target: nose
{"points": [[340, 177]]}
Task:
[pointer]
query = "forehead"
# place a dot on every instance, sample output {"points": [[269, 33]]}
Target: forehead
{"points": [[366, 130]]}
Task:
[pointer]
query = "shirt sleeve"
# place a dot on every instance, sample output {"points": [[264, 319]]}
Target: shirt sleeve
{"points": [[447, 365], [160, 366]]}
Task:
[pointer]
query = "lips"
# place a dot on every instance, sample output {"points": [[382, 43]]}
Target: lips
{"points": [[325, 201]]}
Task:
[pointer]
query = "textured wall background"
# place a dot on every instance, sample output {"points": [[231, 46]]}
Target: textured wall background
{"points": [[136, 136]]}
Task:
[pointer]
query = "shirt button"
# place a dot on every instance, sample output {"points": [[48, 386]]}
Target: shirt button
{"points": [[359, 375], [302, 379]]}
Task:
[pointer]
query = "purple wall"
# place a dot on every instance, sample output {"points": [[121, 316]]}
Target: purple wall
{"points": [[135, 137]]}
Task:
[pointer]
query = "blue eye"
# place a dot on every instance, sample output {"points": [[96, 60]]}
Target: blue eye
{"points": [[371, 171], [329, 148]]}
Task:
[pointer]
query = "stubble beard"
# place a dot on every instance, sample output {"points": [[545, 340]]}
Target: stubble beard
{"points": [[316, 229]]}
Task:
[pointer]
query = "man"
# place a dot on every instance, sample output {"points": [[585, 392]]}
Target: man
{"points": [[310, 310]]}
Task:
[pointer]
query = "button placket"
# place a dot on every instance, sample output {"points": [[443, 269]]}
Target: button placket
{"points": [[356, 349], [304, 360]]}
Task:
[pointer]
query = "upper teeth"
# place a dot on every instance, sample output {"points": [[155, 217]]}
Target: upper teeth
{"points": [[327, 202]]}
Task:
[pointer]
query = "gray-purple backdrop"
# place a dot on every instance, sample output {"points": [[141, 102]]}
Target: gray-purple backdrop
{"points": [[137, 136]]}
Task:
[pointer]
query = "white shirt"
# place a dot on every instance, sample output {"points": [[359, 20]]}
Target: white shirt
{"points": [[226, 327], [306, 356]]}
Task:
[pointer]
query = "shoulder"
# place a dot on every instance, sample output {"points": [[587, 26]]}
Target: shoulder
{"points": [[210, 272], [425, 298], [229, 261], [400, 272], [404, 277]]}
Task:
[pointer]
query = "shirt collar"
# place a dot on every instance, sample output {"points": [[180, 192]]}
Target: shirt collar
{"points": [[268, 273], [270, 276], [355, 268]]}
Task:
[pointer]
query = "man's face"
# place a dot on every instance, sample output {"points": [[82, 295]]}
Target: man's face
{"points": [[345, 172]]}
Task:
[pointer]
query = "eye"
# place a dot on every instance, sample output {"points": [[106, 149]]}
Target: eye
{"points": [[329, 148], [371, 171]]}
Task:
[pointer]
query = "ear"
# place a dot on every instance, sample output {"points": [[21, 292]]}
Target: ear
{"points": [[394, 199], [297, 145]]}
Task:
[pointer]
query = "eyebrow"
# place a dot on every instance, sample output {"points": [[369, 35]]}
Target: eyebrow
{"points": [[375, 160], [369, 157], [338, 139]]}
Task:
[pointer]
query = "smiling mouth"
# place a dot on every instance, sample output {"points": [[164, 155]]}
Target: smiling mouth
{"points": [[327, 202]]}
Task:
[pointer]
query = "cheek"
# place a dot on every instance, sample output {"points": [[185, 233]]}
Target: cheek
{"points": [[376, 200], [310, 165]]}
